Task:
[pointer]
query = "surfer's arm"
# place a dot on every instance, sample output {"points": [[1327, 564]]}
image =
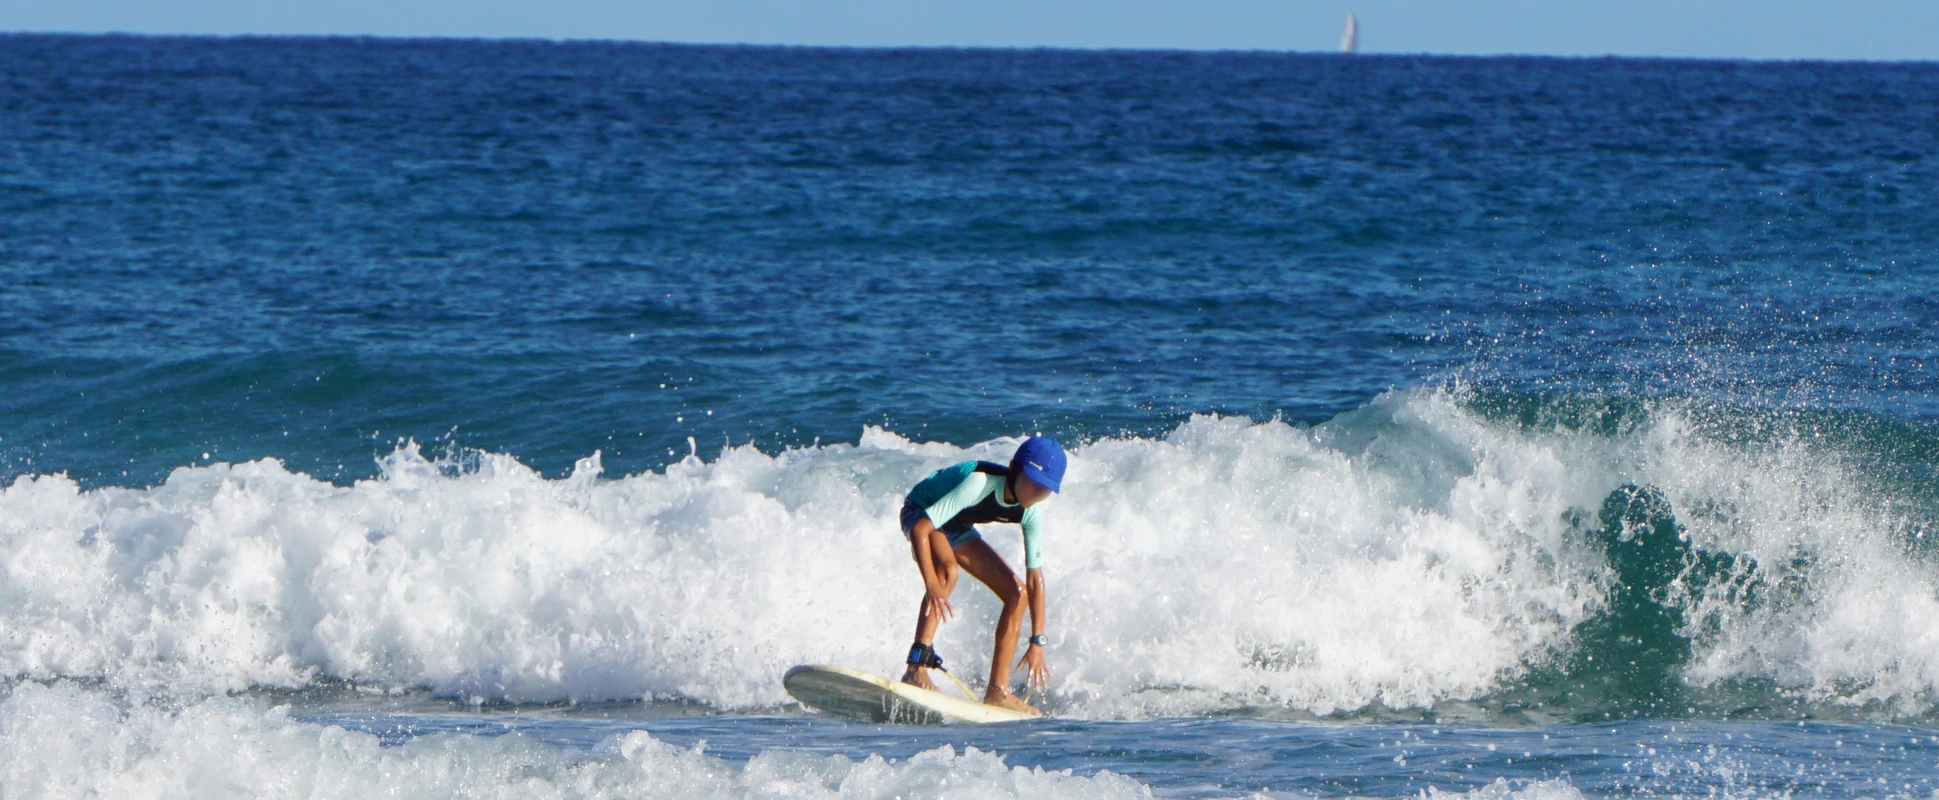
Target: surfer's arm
{"points": [[1033, 562], [964, 495], [1033, 581], [937, 583], [1037, 672]]}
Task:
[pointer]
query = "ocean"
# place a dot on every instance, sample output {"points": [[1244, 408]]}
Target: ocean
{"points": [[449, 418]]}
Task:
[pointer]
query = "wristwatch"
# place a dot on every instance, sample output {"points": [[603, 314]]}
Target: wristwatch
{"points": [[1040, 640]]}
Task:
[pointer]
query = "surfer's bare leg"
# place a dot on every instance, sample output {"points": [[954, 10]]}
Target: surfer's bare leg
{"points": [[937, 561], [979, 560]]}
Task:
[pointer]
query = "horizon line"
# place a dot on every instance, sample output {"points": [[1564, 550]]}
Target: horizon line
{"points": [[397, 37]]}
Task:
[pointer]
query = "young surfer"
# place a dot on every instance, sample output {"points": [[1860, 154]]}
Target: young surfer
{"points": [[939, 518]]}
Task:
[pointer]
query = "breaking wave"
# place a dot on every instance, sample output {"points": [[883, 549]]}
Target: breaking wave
{"points": [[1436, 549]]}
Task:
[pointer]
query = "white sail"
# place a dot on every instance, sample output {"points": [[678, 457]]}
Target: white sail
{"points": [[1350, 39]]}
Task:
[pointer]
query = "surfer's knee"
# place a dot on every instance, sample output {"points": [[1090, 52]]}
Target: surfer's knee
{"points": [[1012, 592]]}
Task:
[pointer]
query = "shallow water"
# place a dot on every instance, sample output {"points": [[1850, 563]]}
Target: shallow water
{"points": [[1243, 757], [411, 747], [1239, 757]]}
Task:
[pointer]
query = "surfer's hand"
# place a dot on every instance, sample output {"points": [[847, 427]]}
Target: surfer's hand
{"points": [[1038, 675], [938, 603]]}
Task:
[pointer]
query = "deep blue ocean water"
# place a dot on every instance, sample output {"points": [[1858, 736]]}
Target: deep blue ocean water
{"points": [[1580, 409]]}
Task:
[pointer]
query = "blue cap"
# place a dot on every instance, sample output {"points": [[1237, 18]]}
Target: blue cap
{"points": [[1042, 460]]}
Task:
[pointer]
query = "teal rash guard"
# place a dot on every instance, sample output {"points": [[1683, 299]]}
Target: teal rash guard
{"points": [[955, 498]]}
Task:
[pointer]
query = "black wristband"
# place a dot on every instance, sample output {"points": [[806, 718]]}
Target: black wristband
{"points": [[1040, 640]]}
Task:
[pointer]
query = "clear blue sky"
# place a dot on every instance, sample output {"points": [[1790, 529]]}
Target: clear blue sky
{"points": [[1881, 29]]}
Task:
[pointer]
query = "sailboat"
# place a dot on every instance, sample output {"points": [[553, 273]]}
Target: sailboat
{"points": [[1350, 38]]}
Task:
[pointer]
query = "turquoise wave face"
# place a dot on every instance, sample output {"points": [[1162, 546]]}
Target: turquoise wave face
{"points": [[306, 249], [1694, 557]]}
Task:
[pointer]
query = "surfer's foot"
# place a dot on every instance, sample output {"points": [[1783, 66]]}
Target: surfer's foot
{"points": [[1010, 701], [919, 678]]}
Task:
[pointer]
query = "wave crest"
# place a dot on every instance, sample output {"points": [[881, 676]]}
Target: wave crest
{"points": [[1430, 548]]}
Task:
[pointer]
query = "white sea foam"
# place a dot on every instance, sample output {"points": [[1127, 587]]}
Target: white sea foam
{"points": [[1403, 554], [1502, 789], [63, 742]]}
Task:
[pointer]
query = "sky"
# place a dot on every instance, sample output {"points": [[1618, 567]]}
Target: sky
{"points": [[1759, 29]]}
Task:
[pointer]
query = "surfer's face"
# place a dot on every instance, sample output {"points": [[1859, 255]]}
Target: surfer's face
{"points": [[1030, 493]]}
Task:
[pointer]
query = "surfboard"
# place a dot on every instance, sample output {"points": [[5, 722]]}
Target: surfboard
{"points": [[854, 694]]}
